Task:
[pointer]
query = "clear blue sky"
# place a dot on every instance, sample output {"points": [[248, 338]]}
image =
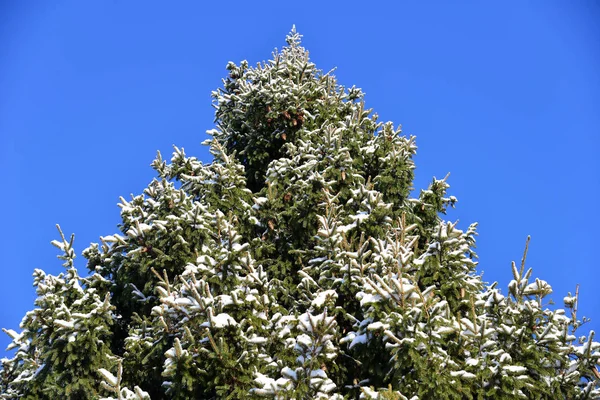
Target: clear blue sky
{"points": [[504, 95]]}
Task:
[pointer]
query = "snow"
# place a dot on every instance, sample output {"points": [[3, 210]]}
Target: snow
{"points": [[445, 330], [569, 301], [144, 227], [14, 335], [377, 325], [472, 362], [258, 202], [327, 387], [170, 353], [517, 369], [257, 340], [539, 286], [360, 216], [463, 374], [322, 297], [367, 298], [308, 321], [284, 332], [225, 300], [346, 228], [289, 373], [138, 293], [184, 302], [269, 385], [264, 380], [370, 149], [58, 244], [304, 340], [38, 370], [372, 394], [108, 239], [222, 320], [110, 378], [359, 339], [64, 324], [239, 247]]}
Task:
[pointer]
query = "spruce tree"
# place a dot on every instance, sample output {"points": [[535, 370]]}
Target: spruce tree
{"points": [[294, 265]]}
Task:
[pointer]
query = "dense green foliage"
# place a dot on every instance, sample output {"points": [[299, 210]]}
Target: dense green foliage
{"points": [[295, 265]]}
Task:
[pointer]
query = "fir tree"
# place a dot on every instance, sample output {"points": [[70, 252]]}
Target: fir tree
{"points": [[295, 265]]}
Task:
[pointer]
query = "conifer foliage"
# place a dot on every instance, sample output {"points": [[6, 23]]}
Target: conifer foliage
{"points": [[295, 265]]}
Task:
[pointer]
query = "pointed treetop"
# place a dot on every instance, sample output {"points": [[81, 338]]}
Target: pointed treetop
{"points": [[293, 38]]}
